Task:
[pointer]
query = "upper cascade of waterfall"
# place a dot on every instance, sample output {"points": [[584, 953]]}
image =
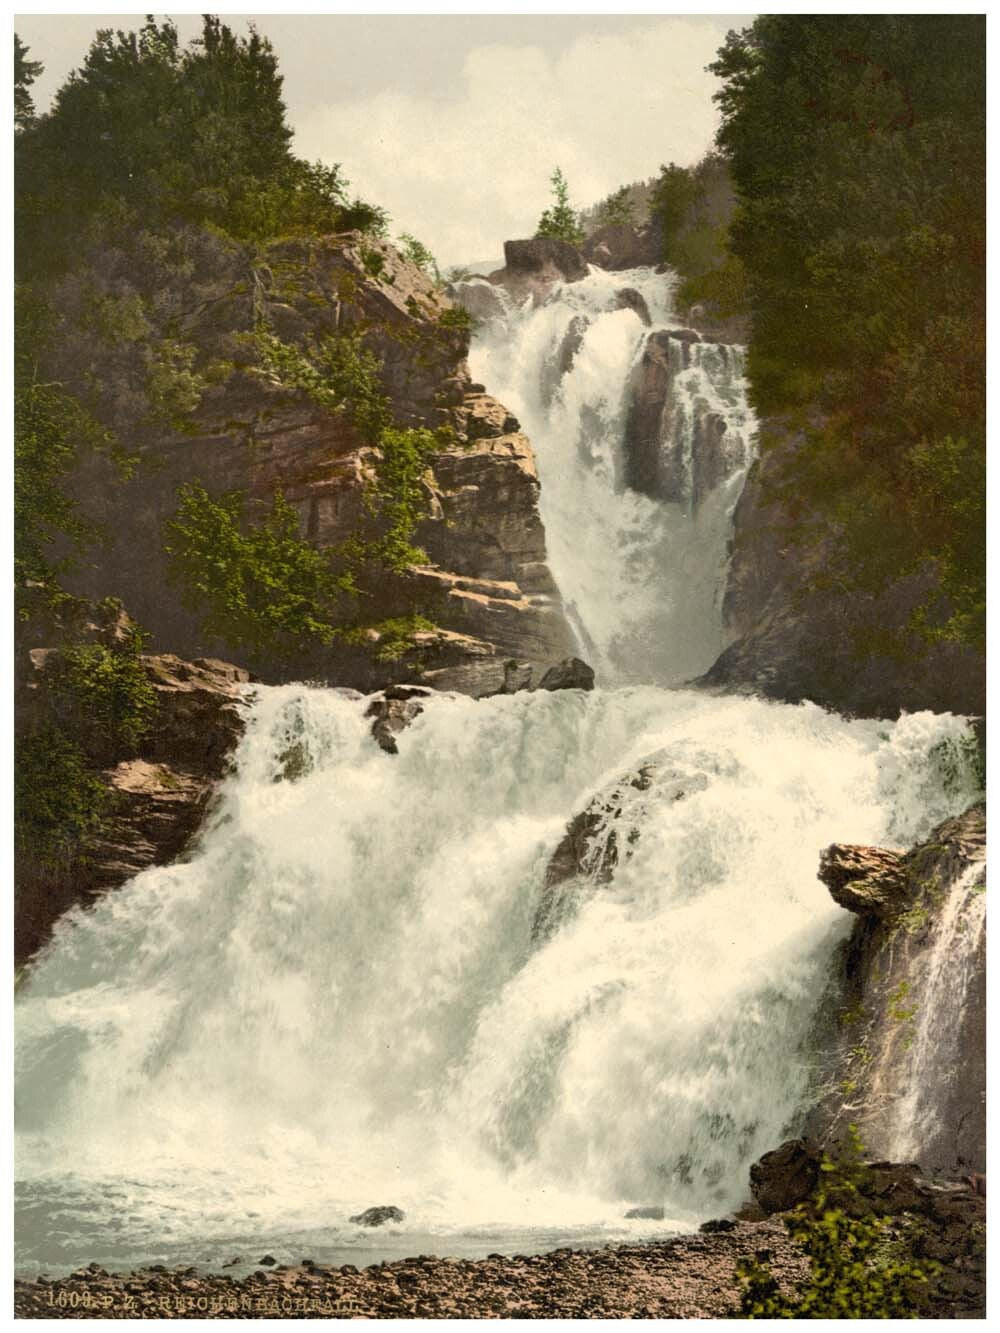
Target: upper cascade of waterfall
{"points": [[643, 437]]}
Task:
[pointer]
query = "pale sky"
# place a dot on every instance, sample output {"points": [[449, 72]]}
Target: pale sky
{"points": [[454, 122]]}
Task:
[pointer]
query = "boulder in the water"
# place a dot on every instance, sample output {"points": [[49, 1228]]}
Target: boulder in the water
{"points": [[378, 1216], [652, 1214], [629, 299], [569, 674]]}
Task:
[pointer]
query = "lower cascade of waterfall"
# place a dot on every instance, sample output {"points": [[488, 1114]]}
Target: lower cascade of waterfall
{"points": [[345, 996], [643, 437]]}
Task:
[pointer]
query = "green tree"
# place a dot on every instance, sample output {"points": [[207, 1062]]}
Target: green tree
{"points": [[261, 586], [52, 430], [857, 146], [417, 253], [617, 210], [25, 73], [560, 221]]}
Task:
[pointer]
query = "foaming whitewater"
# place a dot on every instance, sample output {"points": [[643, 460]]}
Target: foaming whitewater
{"points": [[353, 993], [642, 575]]}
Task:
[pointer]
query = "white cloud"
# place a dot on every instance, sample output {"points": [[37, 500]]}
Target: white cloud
{"points": [[465, 173]]}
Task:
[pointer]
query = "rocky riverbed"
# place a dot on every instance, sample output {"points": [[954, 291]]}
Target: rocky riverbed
{"points": [[686, 1278]]}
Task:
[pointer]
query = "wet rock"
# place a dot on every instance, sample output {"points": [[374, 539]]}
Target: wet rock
{"points": [[785, 1177], [268, 1260], [597, 838], [533, 267], [629, 299], [158, 796], [516, 677], [378, 1216], [391, 716], [717, 1224], [570, 674], [652, 1214], [871, 881], [479, 297]]}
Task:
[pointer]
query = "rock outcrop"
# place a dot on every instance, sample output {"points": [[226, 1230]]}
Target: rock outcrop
{"points": [[534, 267], [158, 797], [661, 460], [605, 833], [906, 1025], [797, 637], [871, 881], [486, 586], [620, 245]]}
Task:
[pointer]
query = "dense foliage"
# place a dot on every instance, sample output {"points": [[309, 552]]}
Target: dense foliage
{"points": [[560, 221], [99, 707], [149, 132], [856, 143], [858, 1267], [51, 429], [259, 586]]}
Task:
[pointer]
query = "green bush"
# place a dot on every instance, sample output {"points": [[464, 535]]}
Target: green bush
{"points": [[258, 586], [102, 696], [858, 1267], [59, 802]]}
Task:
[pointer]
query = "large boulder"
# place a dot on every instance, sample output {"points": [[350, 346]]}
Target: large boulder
{"points": [[785, 1177], [534, 267], [570, 674]]}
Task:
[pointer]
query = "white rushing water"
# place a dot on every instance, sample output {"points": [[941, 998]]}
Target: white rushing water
{"points": [[340, 1000], [937, 999], [642, 578], [358, 991]]}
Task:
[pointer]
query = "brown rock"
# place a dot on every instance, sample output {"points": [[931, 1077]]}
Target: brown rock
{"points": [[785, 1177], [867, 880]]}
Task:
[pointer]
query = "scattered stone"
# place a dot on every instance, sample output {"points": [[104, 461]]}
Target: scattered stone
{"points": [[570, 674], [378, 1216]]}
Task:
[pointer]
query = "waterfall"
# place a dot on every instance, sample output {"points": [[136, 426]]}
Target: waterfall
{"points": [[342, 998], [636, 528], [364, 985], [938, 1002]]}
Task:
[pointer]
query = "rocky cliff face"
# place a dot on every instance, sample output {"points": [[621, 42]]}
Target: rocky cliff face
{"points": [[792, 642], [486, 587], [157, 797], [908, 1059]]}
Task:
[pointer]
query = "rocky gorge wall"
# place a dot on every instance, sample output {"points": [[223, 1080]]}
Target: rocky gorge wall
{"points": [[486, 586], [798, 638]]}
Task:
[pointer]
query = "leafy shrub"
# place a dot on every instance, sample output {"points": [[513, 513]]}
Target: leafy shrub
{"points": [[857, 1268], [259, 586], [59, 802], [102, 696]]}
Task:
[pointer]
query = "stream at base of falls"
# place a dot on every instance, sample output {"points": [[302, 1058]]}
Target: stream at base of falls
{"points": [[358, 988], [343, 998]]}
